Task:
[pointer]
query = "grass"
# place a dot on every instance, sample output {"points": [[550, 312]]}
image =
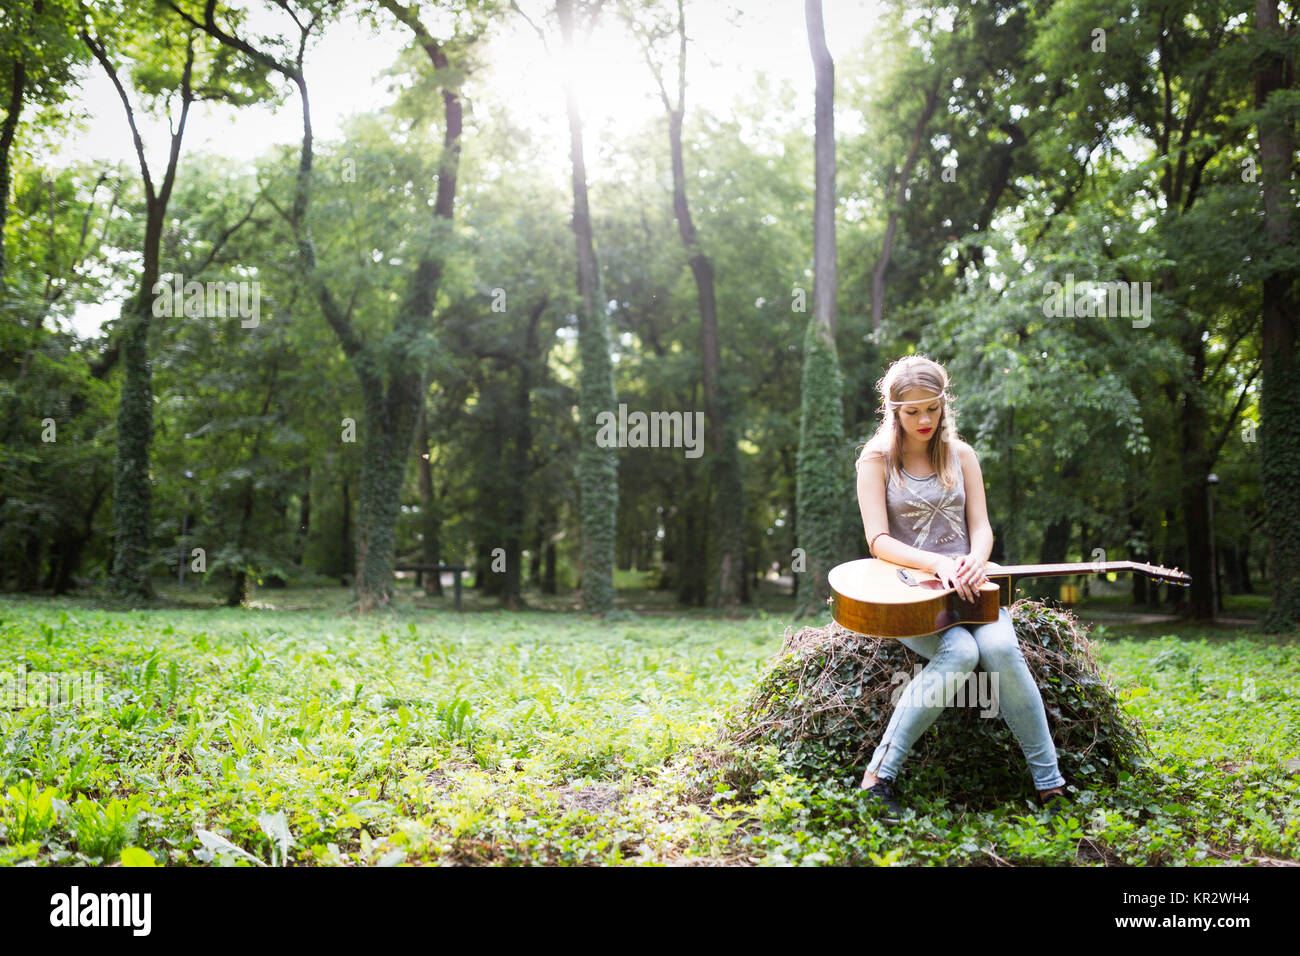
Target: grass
{"points": [[294, 733]]}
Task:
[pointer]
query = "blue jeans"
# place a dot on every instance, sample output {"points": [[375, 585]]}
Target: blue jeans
{"points": [[952, 656]]}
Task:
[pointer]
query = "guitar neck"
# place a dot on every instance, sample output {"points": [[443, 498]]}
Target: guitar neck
{"points": [[1051, 570], [1087, 567]]}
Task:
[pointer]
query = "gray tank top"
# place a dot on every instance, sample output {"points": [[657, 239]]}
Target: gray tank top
{"points": [[925, 515]]}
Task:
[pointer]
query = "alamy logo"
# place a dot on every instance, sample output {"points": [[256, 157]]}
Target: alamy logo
{"points": [[208, 300], [1098, 300], [656, 430], [935, 692], [23, 688], [102, 909]]}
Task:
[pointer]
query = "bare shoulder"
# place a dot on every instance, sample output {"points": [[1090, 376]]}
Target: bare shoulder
{"points": [[871, 455], [965, 453], [969, 461]]}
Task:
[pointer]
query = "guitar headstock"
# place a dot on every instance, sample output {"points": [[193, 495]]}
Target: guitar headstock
{"points": [[1160, 573]]}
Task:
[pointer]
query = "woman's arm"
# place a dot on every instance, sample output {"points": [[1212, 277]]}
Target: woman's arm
{"points": [[875, 521]]}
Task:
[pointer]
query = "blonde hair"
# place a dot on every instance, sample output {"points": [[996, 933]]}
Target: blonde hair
{"points": [[907, 373]]}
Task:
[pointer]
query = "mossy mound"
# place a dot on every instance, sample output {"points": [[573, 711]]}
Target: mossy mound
{"points": [[825, 699]]}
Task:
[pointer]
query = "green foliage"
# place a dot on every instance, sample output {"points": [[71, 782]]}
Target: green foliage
{"points": [[306, 739], [29, 811], [102, 830]]}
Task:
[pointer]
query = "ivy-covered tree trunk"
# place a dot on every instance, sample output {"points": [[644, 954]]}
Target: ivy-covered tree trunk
{"points": [[132, 493], [17, 83], [131, 490], [393, 413], [822, 481], [1280, 390], [393, 376], [597, 467], [391, 418]]}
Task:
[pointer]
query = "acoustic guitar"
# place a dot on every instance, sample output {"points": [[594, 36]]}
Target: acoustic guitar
{"points": [[882, 599]]}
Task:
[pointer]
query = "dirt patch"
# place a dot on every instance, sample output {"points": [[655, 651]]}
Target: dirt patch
{"points": [[592, 797], [444, 776]]}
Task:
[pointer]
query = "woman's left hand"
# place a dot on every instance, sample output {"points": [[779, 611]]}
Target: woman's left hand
{"points": [[970, 569]]}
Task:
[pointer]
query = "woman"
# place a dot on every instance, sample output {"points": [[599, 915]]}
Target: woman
{"points": [[922, 500]]}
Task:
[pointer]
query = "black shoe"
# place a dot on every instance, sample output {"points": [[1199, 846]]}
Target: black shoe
{"points": [[1056, 804], [882, 794]]}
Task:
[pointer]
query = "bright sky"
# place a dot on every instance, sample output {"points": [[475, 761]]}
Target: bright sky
{"points": [[730, 48]]}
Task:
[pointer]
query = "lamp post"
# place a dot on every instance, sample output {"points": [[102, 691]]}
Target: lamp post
{"points": [[1212, 479]]}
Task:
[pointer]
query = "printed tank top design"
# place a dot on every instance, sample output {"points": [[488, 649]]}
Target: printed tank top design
{"points": [[925, 515]]}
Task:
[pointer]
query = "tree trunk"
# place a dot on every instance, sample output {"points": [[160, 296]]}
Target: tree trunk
{"points": [[1280, 389], [430, 515], [730, 510], [237, 596], [549, 585], [1241, 566], [517, 470], [390, 431], [1011, 543], [1134, 518], [597, 467], [304, 520], [29, 571], [1196, 461], [820, 467], [393, 389], [691, 589], [71, 545], [14, 108], [132, 491], [347, 574]]}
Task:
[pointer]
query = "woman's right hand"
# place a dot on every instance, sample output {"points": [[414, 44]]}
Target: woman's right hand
{"points": [[946, 571]]}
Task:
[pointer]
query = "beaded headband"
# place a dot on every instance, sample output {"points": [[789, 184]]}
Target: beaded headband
{"points": [[942, 393]]}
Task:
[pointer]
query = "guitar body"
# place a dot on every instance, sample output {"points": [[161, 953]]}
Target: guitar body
{"points": [[871, 596]]}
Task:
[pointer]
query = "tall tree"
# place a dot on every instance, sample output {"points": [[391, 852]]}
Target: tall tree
{"points": [[1275, 80], [392, 372], [821, 471], [729, 486], [597, 467], [163, 63]]}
